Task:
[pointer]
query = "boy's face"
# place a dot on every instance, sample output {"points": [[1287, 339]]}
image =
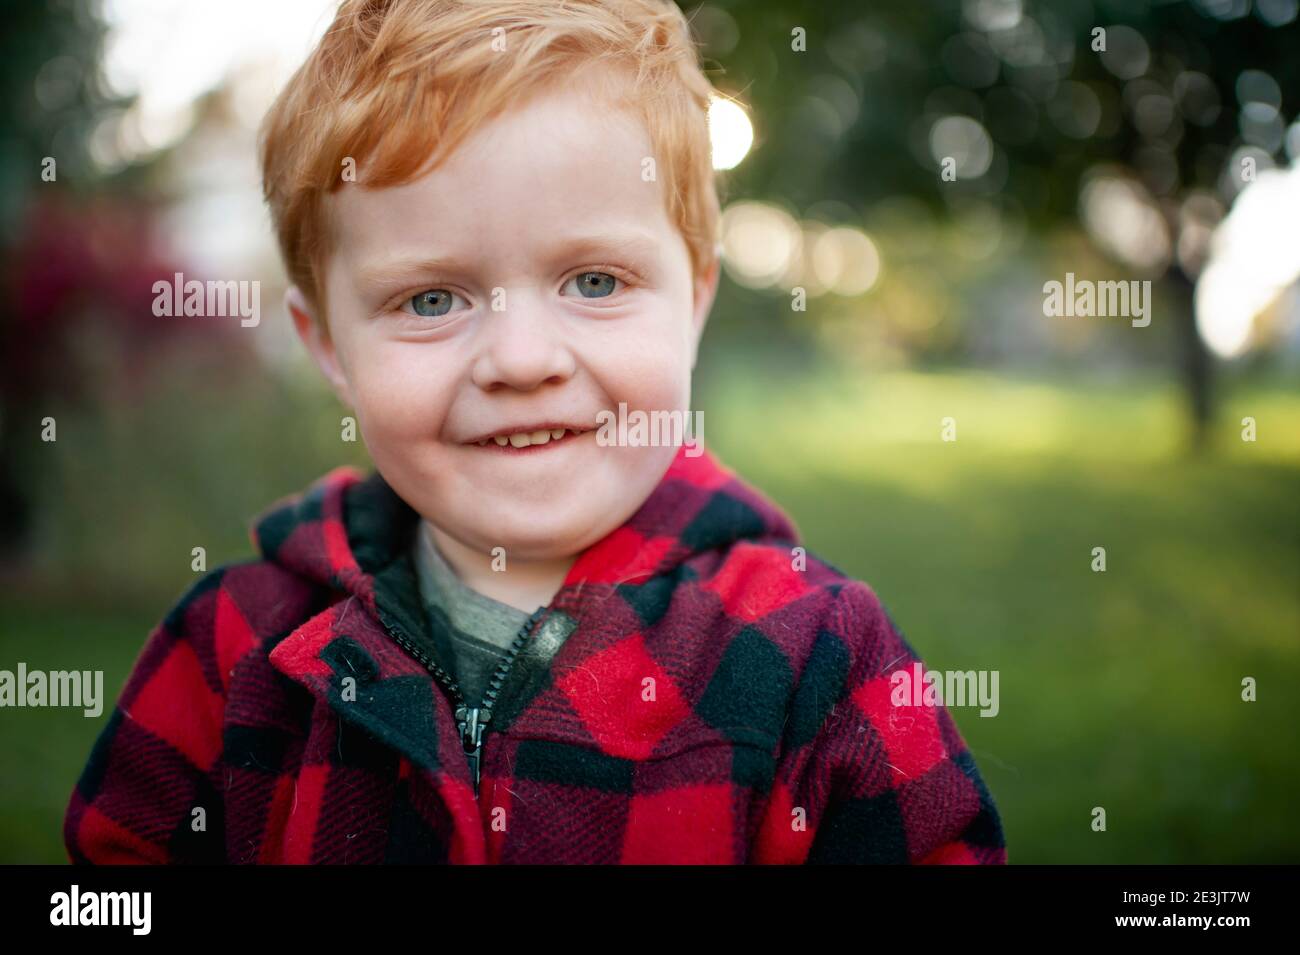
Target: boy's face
{"points": [[549, 284]]}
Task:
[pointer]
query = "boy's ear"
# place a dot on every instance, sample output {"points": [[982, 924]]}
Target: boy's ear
{"points": [[706, 290], [311, 329]]}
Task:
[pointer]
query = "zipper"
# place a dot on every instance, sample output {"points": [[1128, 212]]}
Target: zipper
{"points": [[472, 721]]}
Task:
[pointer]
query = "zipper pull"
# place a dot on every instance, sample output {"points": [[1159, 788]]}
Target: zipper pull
{"points": [[471, 721]]}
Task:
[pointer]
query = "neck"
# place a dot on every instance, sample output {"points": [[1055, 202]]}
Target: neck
{"points": [[523, 584]]}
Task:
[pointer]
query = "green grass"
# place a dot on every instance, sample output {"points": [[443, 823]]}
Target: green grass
{"points": [[42, 751], [1119, 690]]}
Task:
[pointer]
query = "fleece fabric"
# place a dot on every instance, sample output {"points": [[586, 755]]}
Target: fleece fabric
{"points": [[695, 693]]}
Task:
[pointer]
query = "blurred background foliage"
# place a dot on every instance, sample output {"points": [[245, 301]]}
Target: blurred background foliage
{"points": [[1169, 155]]}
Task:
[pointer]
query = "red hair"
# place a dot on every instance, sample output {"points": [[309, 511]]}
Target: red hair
{"points": [[396, 85]]}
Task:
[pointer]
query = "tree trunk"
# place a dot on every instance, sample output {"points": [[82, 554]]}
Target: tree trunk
{"points": [[1195, 363]]}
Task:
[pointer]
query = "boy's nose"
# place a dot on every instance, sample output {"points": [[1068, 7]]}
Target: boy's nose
{"points": [[521, 348]]}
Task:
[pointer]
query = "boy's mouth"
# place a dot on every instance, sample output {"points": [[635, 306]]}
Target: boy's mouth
{"points": [[530, 438]]}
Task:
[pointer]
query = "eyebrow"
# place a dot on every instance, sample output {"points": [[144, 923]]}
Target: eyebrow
{"points": [[640, 249]]}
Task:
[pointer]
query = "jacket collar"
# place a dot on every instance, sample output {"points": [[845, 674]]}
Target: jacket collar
{"points": [[351, 534]]}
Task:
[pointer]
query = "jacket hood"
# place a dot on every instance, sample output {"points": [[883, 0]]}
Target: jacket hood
{"points": [[349, 528]]}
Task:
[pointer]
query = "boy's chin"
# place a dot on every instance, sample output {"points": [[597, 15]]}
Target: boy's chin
{"points": [[542, 542]]}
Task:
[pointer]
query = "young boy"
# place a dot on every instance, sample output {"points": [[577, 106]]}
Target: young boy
{"points": [[518, 641]]}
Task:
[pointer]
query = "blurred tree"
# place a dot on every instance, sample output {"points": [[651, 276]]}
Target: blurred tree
{"points": [[75, 239], [1140, 120], [45, 111]]}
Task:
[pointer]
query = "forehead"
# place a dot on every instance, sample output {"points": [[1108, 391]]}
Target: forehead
{"points": [[568, 159]]}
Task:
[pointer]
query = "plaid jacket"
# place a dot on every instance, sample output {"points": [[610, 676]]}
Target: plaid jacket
{"points": [[689, 696]]}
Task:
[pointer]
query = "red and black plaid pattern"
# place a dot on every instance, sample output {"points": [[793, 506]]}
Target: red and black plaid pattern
{"points": [[688, 697]]}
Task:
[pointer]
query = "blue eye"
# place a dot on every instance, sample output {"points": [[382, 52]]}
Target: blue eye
{"points": [[595, 284], [431, 303]]}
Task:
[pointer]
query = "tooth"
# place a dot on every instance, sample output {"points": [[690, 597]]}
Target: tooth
{"points": [[502, 440], [557, 433], [519, 440], [540, 437], [483, 442]]}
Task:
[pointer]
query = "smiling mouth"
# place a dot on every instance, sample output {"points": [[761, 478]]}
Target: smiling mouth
{"points": [[530, 440]]}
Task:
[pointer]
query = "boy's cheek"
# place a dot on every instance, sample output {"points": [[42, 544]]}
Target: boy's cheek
{"points": [[659, 359], [397, 404]]}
